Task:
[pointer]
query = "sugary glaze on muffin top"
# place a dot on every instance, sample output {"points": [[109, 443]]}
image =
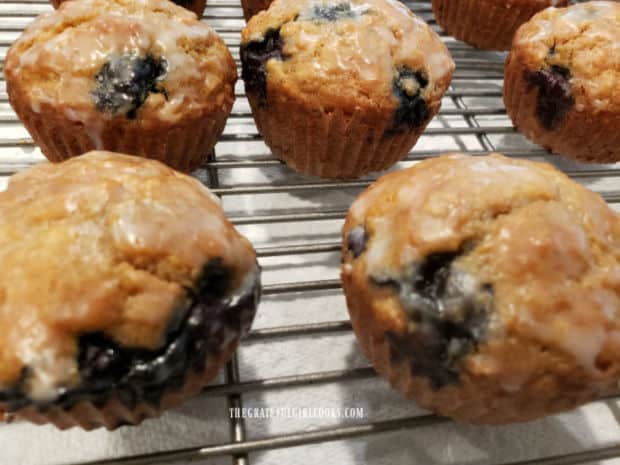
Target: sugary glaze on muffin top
{"points": [[479, 252], [576, 53], [102, 244], [146, 59], [343, 54]]}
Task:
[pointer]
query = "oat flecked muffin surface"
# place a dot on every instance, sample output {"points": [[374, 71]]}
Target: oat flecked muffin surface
{"points": [[135, 76], [487, 24], [123, 290], [562, 81], [197, 6], [485, 288], [342, 88]]}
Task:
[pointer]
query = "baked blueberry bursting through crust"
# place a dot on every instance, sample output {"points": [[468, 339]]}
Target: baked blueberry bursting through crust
{"points": [[254, 57], [125, 82], [215, 316], [554, 94], [333, 12], [449, 308], [412, 110], [356, 241], [450, 316]]}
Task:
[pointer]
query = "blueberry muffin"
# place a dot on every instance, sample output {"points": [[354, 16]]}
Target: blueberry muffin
{"points": [[197, 6], [252, 7], [562, 81], [342, 88], [487, 24], [485, 288], [145, 78], [123, 290]]}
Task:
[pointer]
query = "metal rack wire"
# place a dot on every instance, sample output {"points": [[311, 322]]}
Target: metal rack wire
{"points": [[288, 206]]}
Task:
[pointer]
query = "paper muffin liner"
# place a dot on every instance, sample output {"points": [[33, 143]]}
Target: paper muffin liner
{"points": [[583, 134], [252, 7], [485, 24], [331, 145], [197, 6], [115, 413], [183, 145]]}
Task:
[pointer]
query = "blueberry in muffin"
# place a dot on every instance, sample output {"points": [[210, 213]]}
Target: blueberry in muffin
{"points": [[339, 89], [144, 78], [554, 94], [356, 241], [254, 57], [334, 12], [125, 82], [124, 291], [485, 288], [562, 78], [412, 109], [450, 319]]}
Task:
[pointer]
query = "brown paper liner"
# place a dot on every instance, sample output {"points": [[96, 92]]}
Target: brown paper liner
{"points": [[183, 145], [252, 7], [330, 145], [115, 413], [197, 6], [585, 135], [485, 24]]}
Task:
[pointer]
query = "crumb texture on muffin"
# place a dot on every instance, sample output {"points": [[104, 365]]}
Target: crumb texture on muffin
{"points": [[122, 58], [114, 264], [584, 41], [488, 289], [328, 54]]}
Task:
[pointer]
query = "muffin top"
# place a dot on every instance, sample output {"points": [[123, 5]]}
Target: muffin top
{"points": [[149, 60], [480, 252], [576, 53], [345, 54], [107, 244]]}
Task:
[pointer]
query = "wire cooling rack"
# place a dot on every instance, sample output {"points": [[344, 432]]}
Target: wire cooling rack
{"points": [[301, 352]]}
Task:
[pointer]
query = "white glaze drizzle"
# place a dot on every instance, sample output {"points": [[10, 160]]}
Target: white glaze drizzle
{"points": [[76, 53], [380, 36]]}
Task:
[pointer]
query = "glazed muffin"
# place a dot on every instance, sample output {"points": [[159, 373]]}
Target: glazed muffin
{"points": [[135, 76], [487, 24], [342, 88], [124, 289], [252, 7], [562, 79], [197, 6], [485, 288]]}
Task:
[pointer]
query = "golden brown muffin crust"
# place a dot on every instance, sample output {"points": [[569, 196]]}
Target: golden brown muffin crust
{"points": [[103, 242], [549, 249], [57, 59], [583, 38], [350, 62]]}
